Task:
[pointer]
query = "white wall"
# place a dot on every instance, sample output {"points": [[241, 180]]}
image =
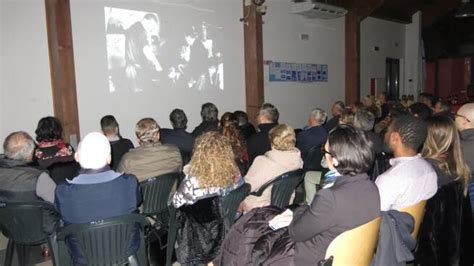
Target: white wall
{"points": [[90, 55], [390, 38], [281, 42], [413, 63], [25, 83]]}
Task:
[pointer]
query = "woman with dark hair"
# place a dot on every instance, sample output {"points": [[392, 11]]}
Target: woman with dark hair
{"points": [[229, 127], [52, 152]]}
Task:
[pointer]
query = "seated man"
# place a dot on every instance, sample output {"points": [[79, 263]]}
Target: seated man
{"points": [[151, 158], [245, 127], [119, 145], [210, 120], [337, 109], [411, 179], [97, 192], [19, 181], [314, 135], [178, 135], [365, 120], [259, 144]]}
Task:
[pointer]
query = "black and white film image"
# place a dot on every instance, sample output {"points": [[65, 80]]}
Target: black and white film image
{"points": [[146, 54]]}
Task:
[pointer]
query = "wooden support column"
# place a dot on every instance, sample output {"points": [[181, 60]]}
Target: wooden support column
{"points": [[357, 11], [253, 50], [61, 60]]}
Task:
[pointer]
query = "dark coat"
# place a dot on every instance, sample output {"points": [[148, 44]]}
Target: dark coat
{"points": [[350, 202], [467, 141], [204, 127], [259, 143], [118, 149], [18, 181], [309, 138], [377, 140], [247, 130], [181, 139], [332, 123], [200, 232], [445, 236]]}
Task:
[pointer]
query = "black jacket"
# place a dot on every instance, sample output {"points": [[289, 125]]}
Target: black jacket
{"points": [[204, 127], [181, 139], [332, 123], [247, 130], [350, 202], [309, 138], [259, 143], [118, 149]]}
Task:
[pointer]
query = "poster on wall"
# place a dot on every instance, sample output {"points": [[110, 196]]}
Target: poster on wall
{"points": [[283, 71]]}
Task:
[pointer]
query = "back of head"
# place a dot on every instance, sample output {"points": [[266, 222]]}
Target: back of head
{"points": [[427, 98], [147, 131], [420, 110], [19, 146], [319, 115], [93, 151], [229, 128], [178, 119], [465, 117], [442, 106], [412, 131], [352, 149], [209, 112], [109, 125], [269, 112], [282, 137], [364, 120], [242, 117], [212, 162], [49, 128]]}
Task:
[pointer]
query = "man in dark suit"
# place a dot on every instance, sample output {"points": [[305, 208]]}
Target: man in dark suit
{"points": [[210, 121], [178, 135], [246, 129], [314, 135], [259, 143], [336, 110]]}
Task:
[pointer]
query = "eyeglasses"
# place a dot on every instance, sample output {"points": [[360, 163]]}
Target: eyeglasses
{"points": [[324, 151], [456, 114]]}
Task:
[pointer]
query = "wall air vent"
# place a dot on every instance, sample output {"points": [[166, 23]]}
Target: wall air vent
{"points": [[312, 9]]}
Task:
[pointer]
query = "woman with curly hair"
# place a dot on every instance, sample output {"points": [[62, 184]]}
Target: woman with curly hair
{"points": [[212, 170], [229, 127]]}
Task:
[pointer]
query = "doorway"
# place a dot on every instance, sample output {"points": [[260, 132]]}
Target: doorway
{"points": [[392, 77]]}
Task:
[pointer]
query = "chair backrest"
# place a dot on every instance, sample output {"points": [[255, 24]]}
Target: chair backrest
{"points": [[282, 187], [417, 211], [355, 247], [230, 203], [156, 192], [106, 242], [26, 222], [312, 159]]}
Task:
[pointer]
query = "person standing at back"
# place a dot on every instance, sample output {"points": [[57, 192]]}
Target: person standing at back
{"points": [[119, 145], [210, 120], [259, 143]]}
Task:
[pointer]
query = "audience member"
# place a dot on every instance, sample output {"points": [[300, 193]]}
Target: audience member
{"points": [[384, 107], [97, 192], [246, 129], [336, 111], [52, 153], [315, 134], [442, 107], [428, 99], [282, 158], [228, 127], [19, 180], [178, 135], [210, 120], [411, 179], [119, 145], [369, 105], [346, 118], [364, 120], [420, 110], [356, 106], [465, 124], [259, 143], [151, 158]]}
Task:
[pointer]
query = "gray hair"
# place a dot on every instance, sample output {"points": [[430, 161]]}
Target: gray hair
{"points": [[364, 120], [319, 115], [270, 112], [209, 112], [19, 146]]}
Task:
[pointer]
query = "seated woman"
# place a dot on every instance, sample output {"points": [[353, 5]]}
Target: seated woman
{"points": [[52, 153], [212, 172], [282, 158], [228, 126]]}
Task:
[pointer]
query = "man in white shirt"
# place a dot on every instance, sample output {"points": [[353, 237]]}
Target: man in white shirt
{"points": [[411, 179]]}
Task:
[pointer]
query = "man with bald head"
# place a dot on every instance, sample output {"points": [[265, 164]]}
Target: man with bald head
{"points": [[464, 119], [19, 180]]}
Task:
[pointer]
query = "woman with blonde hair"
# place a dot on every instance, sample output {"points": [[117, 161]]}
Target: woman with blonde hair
{"points": [[282, 158], [442, 149], [211, 172]]}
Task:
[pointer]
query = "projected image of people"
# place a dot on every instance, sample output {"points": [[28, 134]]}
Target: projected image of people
{"points": [[140, 59]]}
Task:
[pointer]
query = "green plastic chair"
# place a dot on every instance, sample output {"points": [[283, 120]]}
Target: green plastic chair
{"points": [[27, 224], [105, 242], [156, 192], [230, 203], [282, 187]]}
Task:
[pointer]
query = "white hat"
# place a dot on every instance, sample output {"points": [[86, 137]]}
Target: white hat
{"points": [[93, 151]]}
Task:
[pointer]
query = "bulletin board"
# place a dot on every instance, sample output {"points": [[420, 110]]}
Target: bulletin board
{"points": [[283, 71]]}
